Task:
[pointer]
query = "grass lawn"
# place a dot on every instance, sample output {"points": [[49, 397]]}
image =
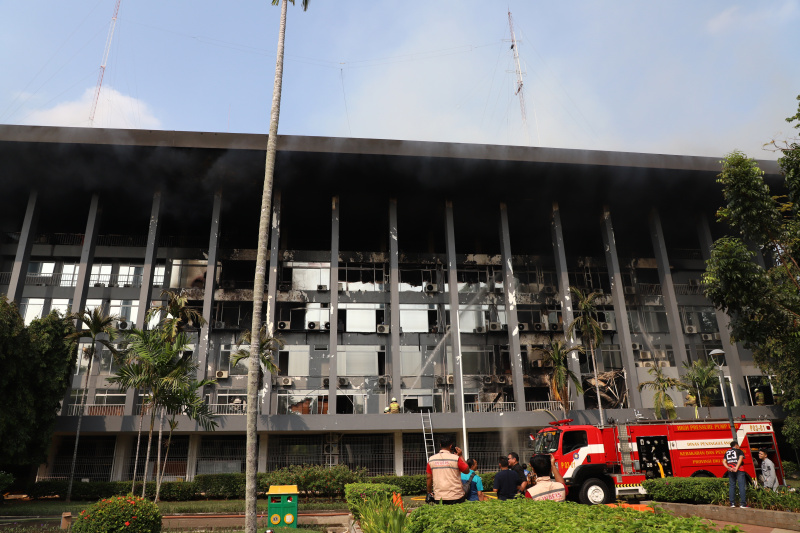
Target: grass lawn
{"points": [[55, 508], [44, 528]]}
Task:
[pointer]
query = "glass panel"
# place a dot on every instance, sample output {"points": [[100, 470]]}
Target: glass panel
{"points": [[612, 356], [411, 361], [360, 320], [31, 309], [62, 305], [127, 310], [414, 318]]}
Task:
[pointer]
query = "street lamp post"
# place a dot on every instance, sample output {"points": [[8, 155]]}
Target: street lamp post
{"points": [[725, 396]]}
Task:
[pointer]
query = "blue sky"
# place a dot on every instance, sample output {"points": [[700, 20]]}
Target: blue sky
{"points": [[685, 77]]}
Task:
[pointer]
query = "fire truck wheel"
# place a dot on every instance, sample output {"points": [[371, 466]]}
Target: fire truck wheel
{"points": [[702, 473], [595, 492]]}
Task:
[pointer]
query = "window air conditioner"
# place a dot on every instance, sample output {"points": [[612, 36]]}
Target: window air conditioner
{"points": [[284, 286], [326, 382], [648, 364], [645, 355], [123, 325], [707, 336], [524, 326], [219, 325], [690, 329], [501, 379], [717, 336], [286, 381], [313, 325], [549, 289], [540, 326], [636, 346], [383, 380], [322, 288], [383, 328], [480, 329], [450, 379], [439, 380], [344, 382], [495, 326], [606, 326], [487, 379], [327, 325], [222, 374], [663, 363], [283, 324], [536, 363], [431, 288], [341, 286], [556, 327]]}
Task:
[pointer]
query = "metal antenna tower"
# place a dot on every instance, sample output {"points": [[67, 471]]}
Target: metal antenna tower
{"points": [[520, 87], [103, 64]]}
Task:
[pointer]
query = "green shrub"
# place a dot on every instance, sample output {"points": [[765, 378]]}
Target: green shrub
{"points": [[687, 489], [523, 515], [314, 480], [356, 493], [488, 481], [409, 485], [789, 468], [122, 513], [380, 514], [96, 490], [172, 491], [6, 480], [220, 486]]}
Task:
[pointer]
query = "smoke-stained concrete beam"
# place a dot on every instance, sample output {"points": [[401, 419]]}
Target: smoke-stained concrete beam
{"points": [[562, 273], [19, 272], [668, 291], [272, 292], [211, 284], [620, 310], [394, 302], [333, 286], [87, 256], [510, 295], [732, 356]]}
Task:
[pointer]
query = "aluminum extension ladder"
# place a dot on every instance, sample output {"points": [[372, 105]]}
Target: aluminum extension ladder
{"points": [[625, 449], [427, 434]]}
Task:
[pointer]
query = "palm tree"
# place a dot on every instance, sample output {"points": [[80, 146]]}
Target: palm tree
{"points": [[176, 315], [701, 379], [96, 323], [660, 384], [587, 324], [558, 357], [261, 268]]}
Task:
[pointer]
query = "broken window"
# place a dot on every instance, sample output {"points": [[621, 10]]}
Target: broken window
{"points": [[225, 361], [362, 277], [307, 276]]}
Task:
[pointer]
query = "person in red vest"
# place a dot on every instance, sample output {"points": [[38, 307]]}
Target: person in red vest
{"points": [[444, 474]]}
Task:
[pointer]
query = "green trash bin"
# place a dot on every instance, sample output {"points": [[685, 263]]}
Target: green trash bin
{"points": [[282, 505]]}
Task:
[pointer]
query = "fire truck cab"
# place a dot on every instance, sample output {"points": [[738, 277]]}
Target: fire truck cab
{"points": [[601, 463]]}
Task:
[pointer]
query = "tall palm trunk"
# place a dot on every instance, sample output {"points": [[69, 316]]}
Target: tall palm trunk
{"points": [[160, 480], [138, 445], [80, 419], [149, 444], [158, 456], [258, 287]]}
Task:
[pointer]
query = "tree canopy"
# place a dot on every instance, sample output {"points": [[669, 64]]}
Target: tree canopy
{"points": [[37, 363], [763, 301]]}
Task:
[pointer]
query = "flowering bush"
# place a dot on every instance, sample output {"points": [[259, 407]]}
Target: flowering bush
{"points": [[357, 493], [128, 514]]}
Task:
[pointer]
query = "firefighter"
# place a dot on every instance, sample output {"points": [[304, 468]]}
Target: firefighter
{"points": [[760, 397], [394, 407]]}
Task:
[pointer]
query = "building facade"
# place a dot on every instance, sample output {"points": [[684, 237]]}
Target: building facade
{"points": [[433, 273]]}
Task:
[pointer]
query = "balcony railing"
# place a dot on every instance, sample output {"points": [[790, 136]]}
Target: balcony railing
{"points": [[545, 406], [227, 408], [91, 409], [649, 289], [490, 407], [683, 289]]}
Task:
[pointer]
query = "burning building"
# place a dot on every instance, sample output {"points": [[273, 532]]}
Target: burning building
{"points": [[434, 273]]}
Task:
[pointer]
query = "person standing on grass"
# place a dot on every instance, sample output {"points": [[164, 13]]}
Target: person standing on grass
{"points": [[768, 471], [443, 478], [475, 493], [732, 460], [513, 464], [506, 482]]}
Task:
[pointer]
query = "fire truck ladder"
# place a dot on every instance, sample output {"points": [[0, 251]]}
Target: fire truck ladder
{"points": [[625, 449], [427, 434]]}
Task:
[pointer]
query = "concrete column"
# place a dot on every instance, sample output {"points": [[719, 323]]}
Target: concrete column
{"points": [[150, 254], [87, 256], [263, 441], [455, 326], [621, 311], [398, 453], [394, 310], [731, 350], [565, 297], [272, 291], [122, 453], [510, 292], [191, 459], [211, 285], [19, 272], [668, 291], [45, 469], [333, 285]]}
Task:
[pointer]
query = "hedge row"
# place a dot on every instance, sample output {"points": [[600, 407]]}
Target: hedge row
{"points": [[356, 493], [414, 485], [96, 490], [715, 491]]}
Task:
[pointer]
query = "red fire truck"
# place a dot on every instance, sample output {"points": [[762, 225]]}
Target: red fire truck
{"points": [[599, 464]]}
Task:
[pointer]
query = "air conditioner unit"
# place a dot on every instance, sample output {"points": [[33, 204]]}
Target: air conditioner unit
{"points": [[690, 329], [313, 325], [606, 326], [645, 355], [495, 326], [440, 380], [524, 326], [637, 363], [487, 379], [219, 325], [433, 329], [283, 325], [327, 325], [502, 379], [285, 286], [222, 374], [286, 381], [344, 382], [431, 288], [383, 328], [383, 380], [556, 327], [326, 382], [479, 329], [630, 290], [331, 448], [322, 288], [636, 346], [549, 289], [227, 284], [663, 363], [123, 325], [537, 363], [450, 379], [99, 285], [707, 336], [540, 326], [647, 364], [717, 336]]}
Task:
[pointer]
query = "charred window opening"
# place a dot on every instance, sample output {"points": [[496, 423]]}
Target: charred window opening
{"points": [[363, 277]]}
